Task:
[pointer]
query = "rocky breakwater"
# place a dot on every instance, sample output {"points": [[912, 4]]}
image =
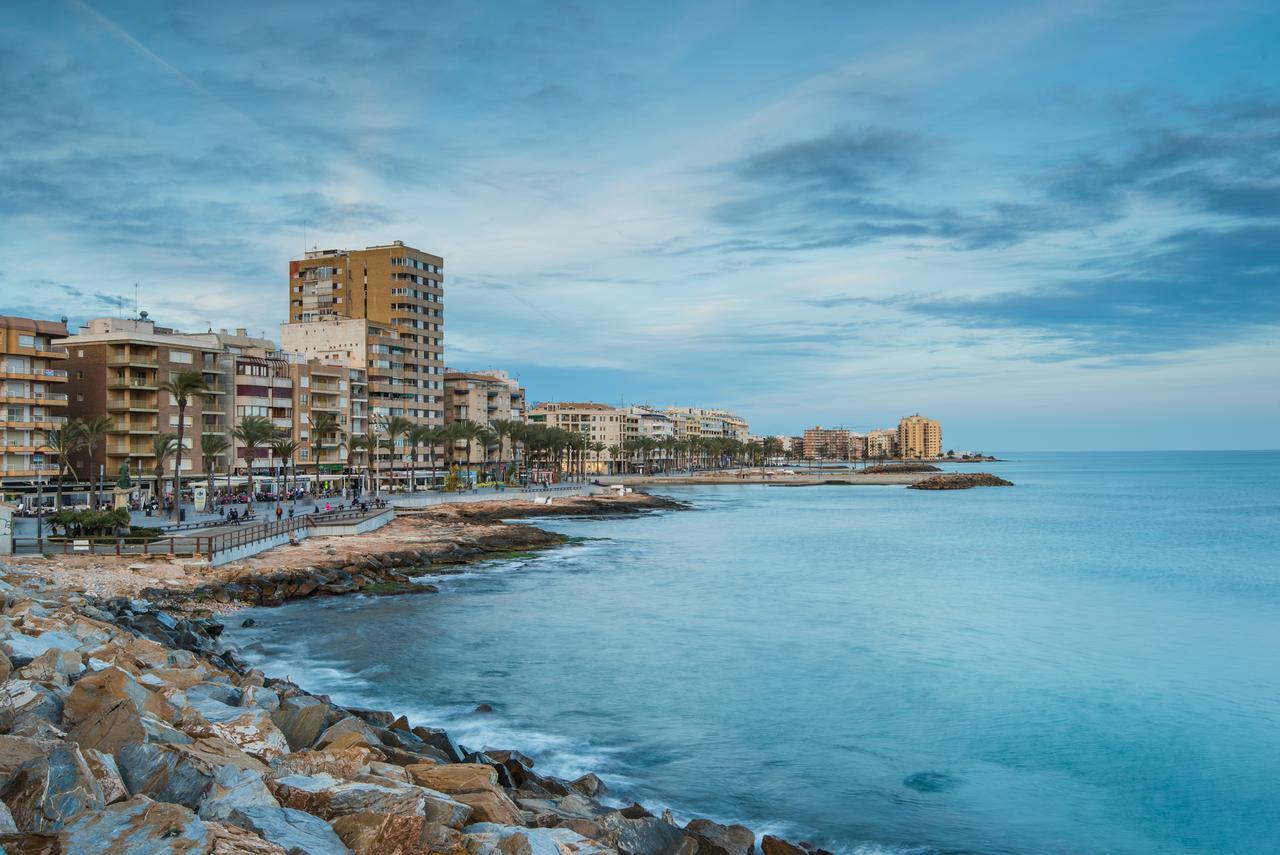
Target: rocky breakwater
{"points": [[606, 505], [960, 481], [124, 728], [891, 468]]}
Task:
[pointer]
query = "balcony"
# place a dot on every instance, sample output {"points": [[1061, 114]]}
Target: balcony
{"points": [[35, 398], [52, 352], [34, 422], [117, 405], [54, 374], [133, 383], [15, 446], [134, 360], [19, 470]]}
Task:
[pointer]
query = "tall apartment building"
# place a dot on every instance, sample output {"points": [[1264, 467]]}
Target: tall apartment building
{"points": [[482, 397], [880, 444], [399, 292], [116, 366], [320, 390], [692, 422], [919, 437], [827, 443], [32, 395]]}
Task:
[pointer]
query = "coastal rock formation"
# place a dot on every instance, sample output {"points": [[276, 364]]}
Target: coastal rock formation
{"points": [[960, 481], [890, 468], [142, 732]]}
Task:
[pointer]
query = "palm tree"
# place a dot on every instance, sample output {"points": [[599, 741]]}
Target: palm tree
{"points": [[596, 448], [433, 438], [467, 430], [322, 426], [92, 431], [212, 445], [64, 442], [284, 447], [253, 432], [504, 429], [162, 446], [359, 445], [182, 387], [394, 427], [771, 447]]}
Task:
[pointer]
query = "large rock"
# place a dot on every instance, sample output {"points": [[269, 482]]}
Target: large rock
{"points": [[327, 797], [640, 836], [138, 826], [231, 788], [100, 691], [26, 699], [53, 666], [22, 646], [234, 840], [104, 768], [123, 725], [441, 741], [491, 806], [381, 833], [17, 750], [717, 839], [771, 845], [455, 777], [345, 764], [301, 719], [347, 732], [485, 838], [297, 832], [251, 729], [182, 774], [48, 792], [7, 824]]}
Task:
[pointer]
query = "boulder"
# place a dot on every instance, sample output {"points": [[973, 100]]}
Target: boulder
{"points": [[7, 824], [251, 729], [138, 826], [234, 840], [48, 792], [301, 718], [295, 831], [486, 838], [326, 797], [27, 699], [6, 667], [344, 764], [96, 693], [17, 750], [343, 732], [22, 646], [53, 666], [771, 845], [441, 741], [182, 774], [589, 785], [643, 836], [717, 839], [491, 806], [231, 788], [455, 777], [105, 770], [380, 833], [123, 725]]}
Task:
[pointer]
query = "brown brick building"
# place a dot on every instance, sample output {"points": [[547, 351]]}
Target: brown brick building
{"points": [[33, 395]]}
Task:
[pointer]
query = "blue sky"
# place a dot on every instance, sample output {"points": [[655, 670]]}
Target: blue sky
{"points": [[1051, 226]]}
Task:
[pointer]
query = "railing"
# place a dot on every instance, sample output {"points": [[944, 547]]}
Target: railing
{"points": [[208, 545]]}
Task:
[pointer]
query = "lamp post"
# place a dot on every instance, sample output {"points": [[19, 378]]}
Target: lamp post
{"points": [[40, 513]]}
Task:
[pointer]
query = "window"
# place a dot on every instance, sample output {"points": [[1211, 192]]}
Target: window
{"points": [[26, 341], [180, 356]]}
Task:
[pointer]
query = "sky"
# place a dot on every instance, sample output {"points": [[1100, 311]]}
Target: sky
{"points": [[1048, 225]]}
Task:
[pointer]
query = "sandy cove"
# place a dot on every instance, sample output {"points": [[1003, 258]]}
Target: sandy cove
{"points": [[126, 726]]}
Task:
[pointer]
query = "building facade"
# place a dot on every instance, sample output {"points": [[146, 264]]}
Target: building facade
{"points": [[116, 366], [880, 444], [33, 395], [822, 443], [919, 437], [482, 397], [597, 423], [399, 291]]}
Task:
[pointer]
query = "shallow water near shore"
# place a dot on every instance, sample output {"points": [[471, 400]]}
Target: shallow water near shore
{"points": [[1084, 663]]}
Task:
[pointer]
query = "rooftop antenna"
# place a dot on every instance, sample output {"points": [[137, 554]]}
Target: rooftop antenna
{"points": [[135, 299], [304, 238]]}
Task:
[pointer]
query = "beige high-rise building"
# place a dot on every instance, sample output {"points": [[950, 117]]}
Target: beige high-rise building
{"points": [[596, 422], [881, 444], [827, 443], [919, 437], [32, 395], [482, 397], [399, 292]]}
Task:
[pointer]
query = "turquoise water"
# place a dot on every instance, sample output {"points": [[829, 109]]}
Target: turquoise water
{"points": [[1085, 663]]}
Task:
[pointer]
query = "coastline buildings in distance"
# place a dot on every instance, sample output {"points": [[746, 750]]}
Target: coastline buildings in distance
{"points": [[363, 347]]}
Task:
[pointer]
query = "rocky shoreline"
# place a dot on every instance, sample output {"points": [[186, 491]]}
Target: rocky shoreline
{"points": [[127, 726], [960, 481]]}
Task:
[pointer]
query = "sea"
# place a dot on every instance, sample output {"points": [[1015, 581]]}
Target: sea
{"points": [[1086, 662]]}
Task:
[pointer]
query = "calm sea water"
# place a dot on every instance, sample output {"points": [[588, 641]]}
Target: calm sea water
{"points": [[1086, 663]]}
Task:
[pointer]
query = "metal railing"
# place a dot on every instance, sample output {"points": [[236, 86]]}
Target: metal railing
{"points": [[208, 545]]}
